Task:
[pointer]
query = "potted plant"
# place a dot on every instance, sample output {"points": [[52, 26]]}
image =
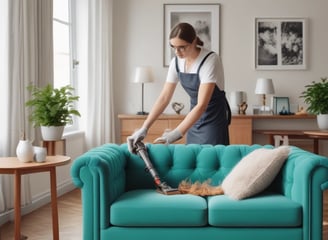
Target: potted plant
{"points": [[52, 109], [316, 96]]}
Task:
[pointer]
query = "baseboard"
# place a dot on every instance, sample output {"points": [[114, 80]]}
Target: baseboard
{"points": [[37, 202]]}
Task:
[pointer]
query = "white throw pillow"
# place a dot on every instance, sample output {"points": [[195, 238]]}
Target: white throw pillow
{"points": [[254, 172]]}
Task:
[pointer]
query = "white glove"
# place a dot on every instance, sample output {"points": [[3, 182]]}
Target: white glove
{"points": [[138, 135], [169, 136]]}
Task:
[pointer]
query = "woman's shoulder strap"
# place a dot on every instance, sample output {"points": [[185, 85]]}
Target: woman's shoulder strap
{"points": [[204, 59]]}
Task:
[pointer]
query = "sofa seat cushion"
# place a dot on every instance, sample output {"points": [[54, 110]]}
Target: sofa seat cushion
{"points": [[265, 210], [146, 207]]}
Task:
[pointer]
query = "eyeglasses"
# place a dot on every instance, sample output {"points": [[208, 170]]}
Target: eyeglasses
{"points": [[180, 48]]}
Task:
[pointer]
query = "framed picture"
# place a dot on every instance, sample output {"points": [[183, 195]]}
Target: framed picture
{"points": [[205, 18], [281, 105], [280, 43]]}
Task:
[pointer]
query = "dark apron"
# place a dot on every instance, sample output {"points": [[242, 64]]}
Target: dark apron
{"points": [[213, 126]]}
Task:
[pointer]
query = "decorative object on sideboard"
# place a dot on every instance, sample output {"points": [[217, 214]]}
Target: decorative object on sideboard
{"points": [[316, 96], [301, 111], [281, 106], [177, 107], [143, 74], [238, 102], [52, 108], [263, 87], [242, 108]]}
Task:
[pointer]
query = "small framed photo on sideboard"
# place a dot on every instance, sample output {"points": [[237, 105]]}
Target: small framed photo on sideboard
{"points": [[281, 105]]}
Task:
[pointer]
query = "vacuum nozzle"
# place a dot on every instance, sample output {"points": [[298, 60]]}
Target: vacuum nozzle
{"points": [[166, 189]]}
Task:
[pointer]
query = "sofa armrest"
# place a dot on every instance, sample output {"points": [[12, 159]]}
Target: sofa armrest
{"points": [[100, 174], [304, 178]]}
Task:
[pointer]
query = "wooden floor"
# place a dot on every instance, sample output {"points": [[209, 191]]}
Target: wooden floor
{"points": [[37, 225]]}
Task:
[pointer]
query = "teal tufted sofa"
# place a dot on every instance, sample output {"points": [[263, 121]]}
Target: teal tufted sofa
{"points": [[120, 203]]}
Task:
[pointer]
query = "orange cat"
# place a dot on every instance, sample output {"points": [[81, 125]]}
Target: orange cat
{"points": [[199, 189]]}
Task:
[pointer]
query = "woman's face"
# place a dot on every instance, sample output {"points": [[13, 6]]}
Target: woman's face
{"points": [[180, 47]]}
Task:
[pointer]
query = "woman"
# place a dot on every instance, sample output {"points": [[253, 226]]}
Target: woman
{"points": [[200, 73]]}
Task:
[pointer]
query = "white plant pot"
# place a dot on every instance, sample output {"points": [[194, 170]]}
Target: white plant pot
{"points": [[322, 120], [51, 133]]}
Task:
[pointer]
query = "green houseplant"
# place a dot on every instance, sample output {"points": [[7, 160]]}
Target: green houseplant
{"points": [[316, 96], [52, 109]]}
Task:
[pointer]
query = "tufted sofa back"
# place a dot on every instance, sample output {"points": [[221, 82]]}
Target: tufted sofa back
{"points": [[175, 163]]}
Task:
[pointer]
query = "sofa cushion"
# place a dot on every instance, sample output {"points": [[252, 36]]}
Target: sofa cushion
{"points": [[254, 172], [146, 207], [265, 210]]}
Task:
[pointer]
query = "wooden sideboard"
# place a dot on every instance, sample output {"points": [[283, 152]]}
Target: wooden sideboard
{"points": [[245, 128], [242, 128]]}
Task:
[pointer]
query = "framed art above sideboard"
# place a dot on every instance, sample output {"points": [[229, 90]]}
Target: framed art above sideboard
{"points": [[205, 18], [280, 43]]}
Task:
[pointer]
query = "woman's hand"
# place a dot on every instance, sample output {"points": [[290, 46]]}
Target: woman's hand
{"points": [[138, 135], [169, 136]]}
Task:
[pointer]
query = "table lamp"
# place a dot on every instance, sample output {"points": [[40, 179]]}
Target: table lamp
{"points": [[143, 75], [264, 86]]}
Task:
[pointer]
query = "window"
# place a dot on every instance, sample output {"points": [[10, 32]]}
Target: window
{"points": [[64, 47], [64, 39]]}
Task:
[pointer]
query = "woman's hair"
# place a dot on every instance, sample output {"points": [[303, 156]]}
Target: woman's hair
{"points": [[185, 32]]}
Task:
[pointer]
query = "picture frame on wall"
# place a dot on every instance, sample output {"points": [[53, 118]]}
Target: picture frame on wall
{"points": [[281, 106], [280, 43], [205, 18]]}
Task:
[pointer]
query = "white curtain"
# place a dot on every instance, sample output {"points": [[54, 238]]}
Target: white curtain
{"points": [[27, 59], [4, 86], [100, 116]]}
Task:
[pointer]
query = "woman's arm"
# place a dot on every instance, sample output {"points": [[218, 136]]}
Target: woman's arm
{"points": [[160, 104], [204, 95]]}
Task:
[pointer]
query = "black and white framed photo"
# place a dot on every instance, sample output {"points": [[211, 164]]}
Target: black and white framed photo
{"points": [[280, 43], [281, 105], [205, 18]]}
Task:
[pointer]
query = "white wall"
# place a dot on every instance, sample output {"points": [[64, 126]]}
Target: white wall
{"points": [[138, 40]]}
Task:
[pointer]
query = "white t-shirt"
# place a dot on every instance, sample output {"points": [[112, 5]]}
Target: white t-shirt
{"points": [[210, 72]]}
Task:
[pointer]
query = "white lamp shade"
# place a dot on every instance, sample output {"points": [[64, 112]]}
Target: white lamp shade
{"points": [[264, 86], [144, 74]]}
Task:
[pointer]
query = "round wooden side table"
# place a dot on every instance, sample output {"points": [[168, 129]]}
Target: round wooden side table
{"points": [[316, 136], [11, 165]]}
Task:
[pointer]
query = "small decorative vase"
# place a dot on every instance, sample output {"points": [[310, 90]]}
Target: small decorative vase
{"points": [[40, 154], [24, 151]]}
